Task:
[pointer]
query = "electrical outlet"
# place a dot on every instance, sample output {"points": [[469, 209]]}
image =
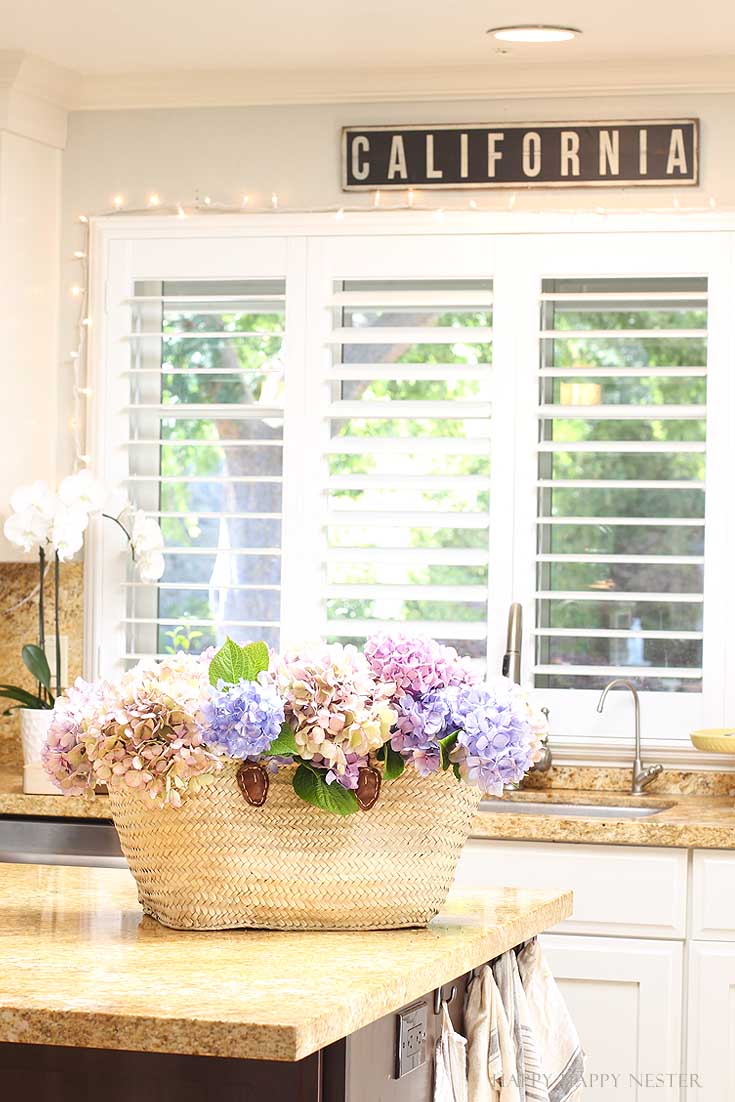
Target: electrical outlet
{"points": [[50, 649], [411, 1035]]}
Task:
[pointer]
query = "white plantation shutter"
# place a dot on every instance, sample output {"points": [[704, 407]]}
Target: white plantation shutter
{"points": [[621, 481], [408, 459], [206, 459]]}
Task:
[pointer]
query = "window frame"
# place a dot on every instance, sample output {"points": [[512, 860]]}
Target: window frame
{"points": [[527, 248]]}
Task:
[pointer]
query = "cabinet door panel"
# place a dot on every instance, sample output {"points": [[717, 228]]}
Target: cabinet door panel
{"points": [[713, 895], [711, 1022], [635, 891], [624, 996]]}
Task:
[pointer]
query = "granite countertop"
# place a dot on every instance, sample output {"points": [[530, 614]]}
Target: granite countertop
{"points": [[686, 821], [14, 801], [696, 809], [83, 967]]}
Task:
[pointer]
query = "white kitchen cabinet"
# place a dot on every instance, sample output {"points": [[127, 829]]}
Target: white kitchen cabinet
{"points": [[635, 891], [624, 995], [711, 1021]]}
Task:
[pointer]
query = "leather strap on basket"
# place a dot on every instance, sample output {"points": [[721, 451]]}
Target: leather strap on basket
{"points": [[368, 787], [253, 782]]}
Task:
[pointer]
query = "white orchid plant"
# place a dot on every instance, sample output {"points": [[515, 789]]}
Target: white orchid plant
{"points": [[55, 524]]}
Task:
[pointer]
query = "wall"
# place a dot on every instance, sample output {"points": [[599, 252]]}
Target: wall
{"points": [[30, 181], [295, 152]]}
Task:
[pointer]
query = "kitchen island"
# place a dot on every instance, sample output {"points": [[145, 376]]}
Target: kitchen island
{"points": [[99, 1001]]}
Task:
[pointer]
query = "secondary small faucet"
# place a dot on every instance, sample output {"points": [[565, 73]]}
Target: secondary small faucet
{"points": [[641, 776]]}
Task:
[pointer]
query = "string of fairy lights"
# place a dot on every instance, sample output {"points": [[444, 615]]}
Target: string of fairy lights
{"points": [[410, 199]]}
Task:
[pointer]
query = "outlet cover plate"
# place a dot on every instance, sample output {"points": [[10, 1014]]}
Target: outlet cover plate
{"points": [[411, 1037]]}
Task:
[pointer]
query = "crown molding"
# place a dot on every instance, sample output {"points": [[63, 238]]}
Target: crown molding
{"points": [[502, 79], [34, 97]]}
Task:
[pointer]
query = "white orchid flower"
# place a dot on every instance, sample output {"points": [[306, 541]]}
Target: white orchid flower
{"points": [[29, 524], [82, 491], [34, 496], [27, 529], [67, 530], [151, 565], [146, 534]]}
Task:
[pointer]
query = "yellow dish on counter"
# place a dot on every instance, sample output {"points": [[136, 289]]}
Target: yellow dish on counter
{"points": [[715, 740]]}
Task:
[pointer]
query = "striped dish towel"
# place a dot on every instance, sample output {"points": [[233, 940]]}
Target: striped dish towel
{"points": [[529, 1070], [491, 1061], [561, 1053]]}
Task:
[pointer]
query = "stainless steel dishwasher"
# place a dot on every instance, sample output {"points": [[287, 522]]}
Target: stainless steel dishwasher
{"points": [[43, 841]]}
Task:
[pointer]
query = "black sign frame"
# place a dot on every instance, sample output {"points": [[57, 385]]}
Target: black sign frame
{"points": [[467, 157]]}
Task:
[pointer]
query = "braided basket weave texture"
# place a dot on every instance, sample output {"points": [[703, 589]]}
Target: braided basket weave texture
{"points": [[217, 863]]}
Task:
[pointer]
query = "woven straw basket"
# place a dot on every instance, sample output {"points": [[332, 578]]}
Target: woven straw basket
{"points": [[217, 863]]}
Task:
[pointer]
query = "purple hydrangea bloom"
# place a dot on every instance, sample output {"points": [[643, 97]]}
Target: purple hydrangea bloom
{"points": [[422, 720], [495, 742], [243, 720], [415, 664], [351, 775]]}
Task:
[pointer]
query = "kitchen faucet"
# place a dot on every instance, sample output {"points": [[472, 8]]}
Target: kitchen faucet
{"points": [[512, 668], [641, 776]]}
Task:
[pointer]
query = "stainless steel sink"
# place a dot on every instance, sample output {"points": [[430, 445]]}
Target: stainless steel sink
{"points": [[570, 811]]}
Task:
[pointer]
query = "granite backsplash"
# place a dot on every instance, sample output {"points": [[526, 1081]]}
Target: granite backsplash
{"points": [[19, 616]]}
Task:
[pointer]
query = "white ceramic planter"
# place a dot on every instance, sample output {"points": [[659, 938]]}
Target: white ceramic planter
{"points": [[34, 725]]}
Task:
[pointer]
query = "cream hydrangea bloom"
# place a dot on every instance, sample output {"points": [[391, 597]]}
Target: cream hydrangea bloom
{"points": [[338, 711]]}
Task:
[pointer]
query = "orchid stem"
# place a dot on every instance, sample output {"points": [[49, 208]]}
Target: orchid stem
{"points": [[41, 623], [56, 624], [108, 516]]}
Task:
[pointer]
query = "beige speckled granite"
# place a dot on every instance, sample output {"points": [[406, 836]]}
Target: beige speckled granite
{"points": [[81, 966], [706, 822], [19, 622], [594, 778], [14, 801]]}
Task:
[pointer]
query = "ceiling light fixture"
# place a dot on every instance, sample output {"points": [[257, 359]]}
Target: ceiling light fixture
{"points": [[534, 32]]}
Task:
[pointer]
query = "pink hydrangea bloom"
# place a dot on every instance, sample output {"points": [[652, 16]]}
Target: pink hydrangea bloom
{"points": [[415, 664], [141, 733]]}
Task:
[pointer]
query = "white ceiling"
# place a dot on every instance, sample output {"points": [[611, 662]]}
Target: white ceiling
{"points": [[374, 44]]}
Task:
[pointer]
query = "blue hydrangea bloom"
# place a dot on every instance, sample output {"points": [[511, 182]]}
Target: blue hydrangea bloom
{"points": [[242, 720], [422, 720], [494, 744]]}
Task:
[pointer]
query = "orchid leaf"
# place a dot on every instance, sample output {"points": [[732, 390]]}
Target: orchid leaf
{"points": [[36, 663], [24, 698]]}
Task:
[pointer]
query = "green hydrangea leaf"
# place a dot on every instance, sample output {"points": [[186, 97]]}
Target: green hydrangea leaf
{"points": [[309, 785], [445, 745], [455, 770], [284, 746], [393, 762], [257, 659], [228, 664]]}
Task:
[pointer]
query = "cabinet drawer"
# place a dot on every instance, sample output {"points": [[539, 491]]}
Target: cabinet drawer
{"points": [[713, 895], [629, 890]]}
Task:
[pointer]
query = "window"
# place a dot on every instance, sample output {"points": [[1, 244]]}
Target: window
{"points": [[343, 430]]}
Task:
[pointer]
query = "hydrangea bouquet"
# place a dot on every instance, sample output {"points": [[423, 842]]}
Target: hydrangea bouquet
{"points": [[346, 720]]}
